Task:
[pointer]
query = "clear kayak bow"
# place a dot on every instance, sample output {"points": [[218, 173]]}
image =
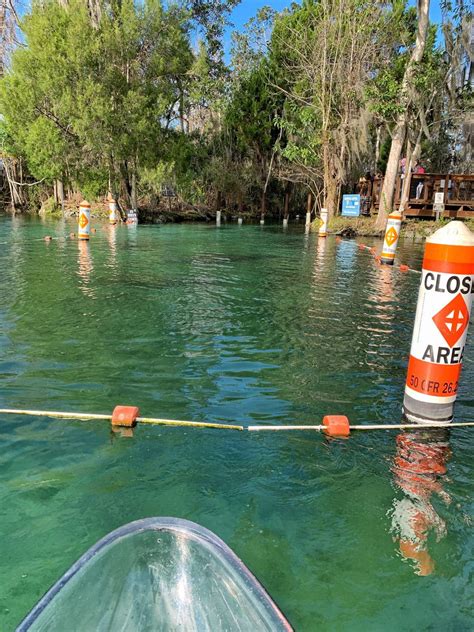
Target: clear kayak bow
{"points": [[157, 575]]}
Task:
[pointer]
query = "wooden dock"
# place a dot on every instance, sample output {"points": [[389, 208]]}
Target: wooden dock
{"points": [[457, 189]]}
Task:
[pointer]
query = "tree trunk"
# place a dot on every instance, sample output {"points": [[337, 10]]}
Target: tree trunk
{"points": [[412, 158], [263, 204], [218, 204], [240, 198], [133, 194], [331, 183], [398, 137], [287, 204], [377, 147]]}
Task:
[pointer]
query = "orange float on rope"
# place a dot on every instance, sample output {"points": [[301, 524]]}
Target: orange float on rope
{"points": [[125, 416], [336, 426], [404, 268], [362, 246]]}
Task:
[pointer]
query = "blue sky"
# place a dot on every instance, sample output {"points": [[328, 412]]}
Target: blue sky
{"points": [[248, 8]]}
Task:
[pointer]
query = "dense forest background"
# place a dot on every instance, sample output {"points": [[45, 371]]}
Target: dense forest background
{"points": [[137, 98]]}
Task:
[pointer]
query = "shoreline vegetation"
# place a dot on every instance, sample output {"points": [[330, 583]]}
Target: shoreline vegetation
{"points": [[180, 212], [147, 103]]}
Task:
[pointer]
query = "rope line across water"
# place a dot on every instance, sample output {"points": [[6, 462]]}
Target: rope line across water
{"points": [[202, 424]]}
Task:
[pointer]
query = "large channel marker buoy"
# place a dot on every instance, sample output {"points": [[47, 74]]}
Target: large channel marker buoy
{"points": [[84, 220], [392, 234], [323, 229], [441, 324]]}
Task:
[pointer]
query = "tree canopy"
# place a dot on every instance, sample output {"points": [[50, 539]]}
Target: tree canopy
{"points": [[120, 96]]}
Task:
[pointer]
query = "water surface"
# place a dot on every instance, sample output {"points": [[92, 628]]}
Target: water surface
{"points": [[243, 324]]}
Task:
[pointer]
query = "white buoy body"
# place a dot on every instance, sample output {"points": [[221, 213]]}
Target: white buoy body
{"points": [[285, 222], [84, 220], [308, 219], [132, 217], [262, 222], [323, 229], [218, 217], [239, 221], [113, 212], [441, 325], [392, 234]]}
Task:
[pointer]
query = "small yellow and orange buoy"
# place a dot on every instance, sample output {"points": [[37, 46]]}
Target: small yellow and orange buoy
{"points": [[84, 220]]}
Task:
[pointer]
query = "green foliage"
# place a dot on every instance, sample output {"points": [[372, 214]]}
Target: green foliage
{"points": [[83, 102]]}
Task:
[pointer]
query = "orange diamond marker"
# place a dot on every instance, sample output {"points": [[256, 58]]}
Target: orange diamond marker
{"points": [[391, 236], [83, 221], [452, 320]]}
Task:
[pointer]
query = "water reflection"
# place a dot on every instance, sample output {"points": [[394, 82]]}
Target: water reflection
{"points": [[111, 234], [418, 470], [85, 267]]}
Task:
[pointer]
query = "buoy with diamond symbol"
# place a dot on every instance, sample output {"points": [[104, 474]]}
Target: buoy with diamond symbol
{"points": [[452, 320]]}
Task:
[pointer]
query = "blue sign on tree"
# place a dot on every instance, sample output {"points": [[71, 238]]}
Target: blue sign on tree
{"points": [[350, 205]]}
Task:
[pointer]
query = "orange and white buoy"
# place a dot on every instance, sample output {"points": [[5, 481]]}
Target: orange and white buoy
{"points": [[392, 234], [113, 211], [323, 229], [84, 220], [441, 324]]}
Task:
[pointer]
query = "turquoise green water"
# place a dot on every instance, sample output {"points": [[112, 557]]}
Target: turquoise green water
{"points": [[238, 324]]}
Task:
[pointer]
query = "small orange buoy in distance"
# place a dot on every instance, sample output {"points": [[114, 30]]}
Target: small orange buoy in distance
{"points": [[125, 416], [48, 238], [338, 240], [336, 426], [404, 268], [72, 235]]}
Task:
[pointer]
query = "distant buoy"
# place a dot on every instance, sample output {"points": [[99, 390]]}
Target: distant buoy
{"points": [[285, 222], [72, 235], [84, 220], [392, 234], [218, 217], [323, 229], [441, 324], [262, 222], [239, 221], [48, 238], [112, 211]]}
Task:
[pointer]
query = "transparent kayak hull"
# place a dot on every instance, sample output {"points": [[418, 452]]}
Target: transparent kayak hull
{"points": [[157, 574]]}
